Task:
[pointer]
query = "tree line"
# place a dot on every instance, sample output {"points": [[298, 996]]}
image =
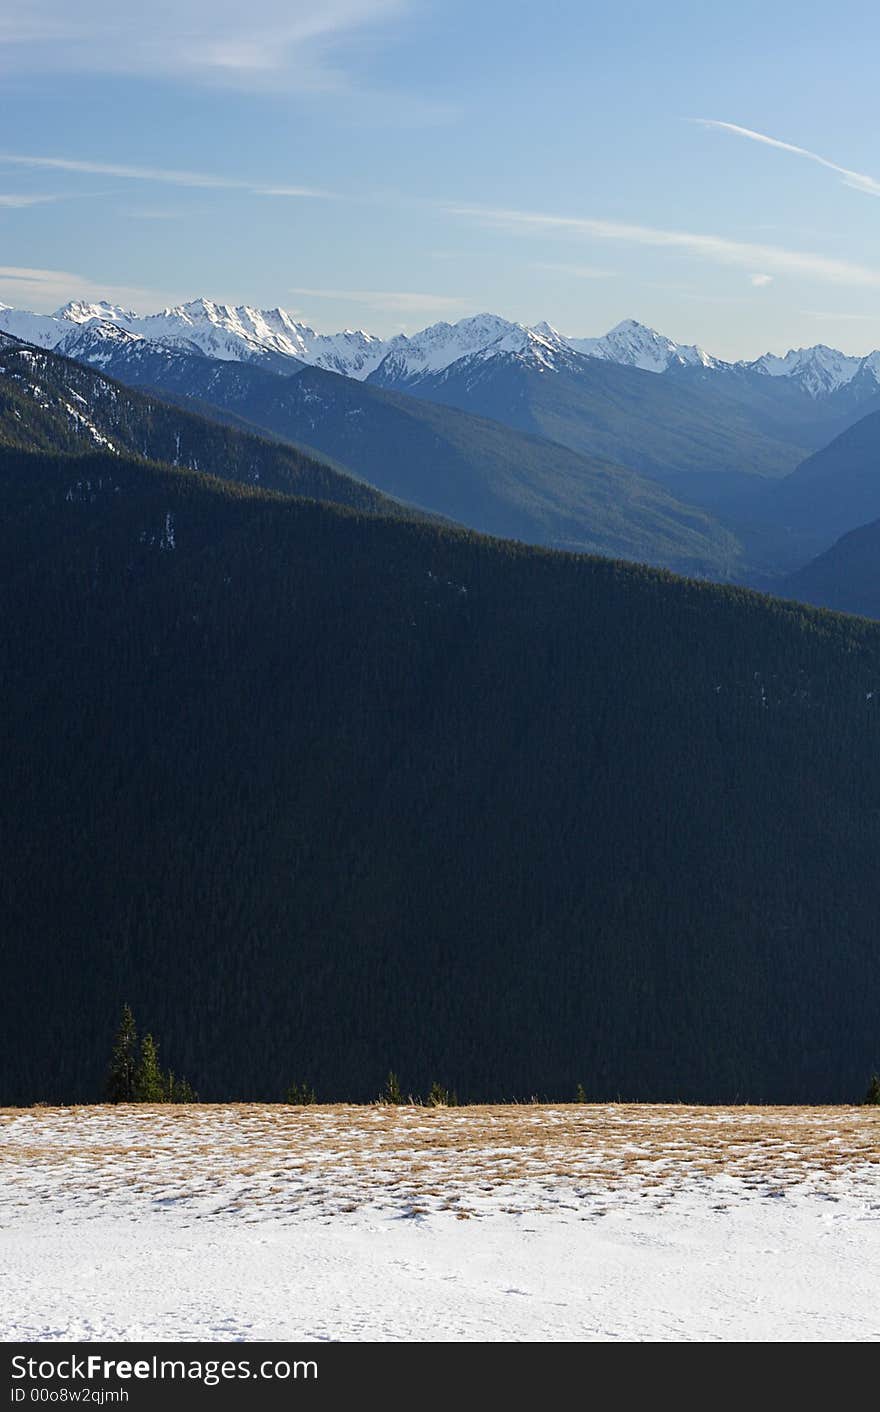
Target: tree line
{"points": [[134, 1076]]}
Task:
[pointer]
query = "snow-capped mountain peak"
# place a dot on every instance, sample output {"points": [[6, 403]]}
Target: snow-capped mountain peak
{"points": [[637, 346], [545, 330], [819, 370], [97, 342], [871, 364], [229, 332], [271, 337], [481, 336], [80, 311], [528, 344], [353, 352]]}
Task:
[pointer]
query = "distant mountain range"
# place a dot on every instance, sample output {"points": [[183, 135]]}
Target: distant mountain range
{"points": [[530, 381], [629, 445], [340, 434], [632, 396], [248, 334]]}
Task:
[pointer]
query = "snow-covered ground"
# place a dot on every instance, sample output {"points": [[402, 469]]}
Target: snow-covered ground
{"points": [[242, 1222]]}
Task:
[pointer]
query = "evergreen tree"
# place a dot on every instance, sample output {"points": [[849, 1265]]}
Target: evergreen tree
{"points": [[438, 1096], [178, 1090], [873, 1094], [300, 1094], [183, 1092], [123, 1061], [580, 1095], [392, 1092], [149, 1083]]}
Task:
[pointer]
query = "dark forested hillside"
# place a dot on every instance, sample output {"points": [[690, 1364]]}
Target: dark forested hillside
{"points": [[322, 794]]}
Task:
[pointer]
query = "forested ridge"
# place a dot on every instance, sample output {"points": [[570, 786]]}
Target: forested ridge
{"points": [[323, 794]]}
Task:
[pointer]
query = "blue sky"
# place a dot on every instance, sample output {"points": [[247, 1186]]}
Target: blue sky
{"points": [[387, 163]]}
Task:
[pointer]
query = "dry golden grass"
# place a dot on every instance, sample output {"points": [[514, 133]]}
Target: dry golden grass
{"points": [[340, 1157]]}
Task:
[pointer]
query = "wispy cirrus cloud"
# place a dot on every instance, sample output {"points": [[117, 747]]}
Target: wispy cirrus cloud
{"points": [[760, 281], [717, 248], [31, 287], [399, 301], [575, 271], [859, 181], [834, 316], [18, 201], [297, 45], [168, 176]]}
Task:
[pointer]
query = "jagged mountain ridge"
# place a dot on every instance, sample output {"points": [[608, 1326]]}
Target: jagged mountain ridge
{"points": [[245, 333], [636, 346]]}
